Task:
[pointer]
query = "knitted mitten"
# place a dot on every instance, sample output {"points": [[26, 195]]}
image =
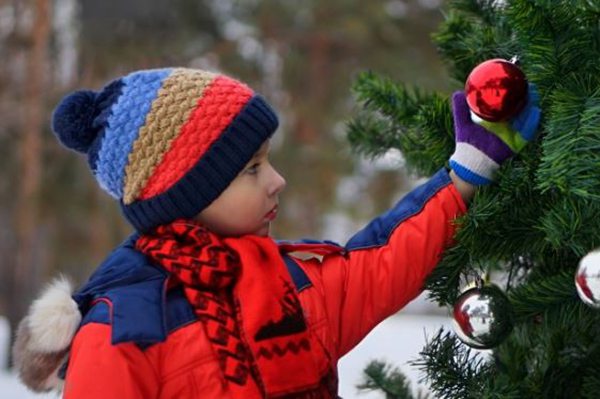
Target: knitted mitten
{"points": [[481, 146]]}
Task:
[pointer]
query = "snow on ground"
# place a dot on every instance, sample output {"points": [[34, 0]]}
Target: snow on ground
{"points": [[396, 340], [11, 388]]}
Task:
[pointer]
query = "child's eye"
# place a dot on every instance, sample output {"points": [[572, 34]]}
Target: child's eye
{"points": [[253, 169]]}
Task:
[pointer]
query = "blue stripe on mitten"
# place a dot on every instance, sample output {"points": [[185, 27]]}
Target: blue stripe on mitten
{"points": [[527, 121]]}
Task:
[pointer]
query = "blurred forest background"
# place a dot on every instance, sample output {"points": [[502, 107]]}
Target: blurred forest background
{"points": [[302, 55]]}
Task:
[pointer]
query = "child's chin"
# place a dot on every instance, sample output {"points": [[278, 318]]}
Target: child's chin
{"points": [[264, 231]]}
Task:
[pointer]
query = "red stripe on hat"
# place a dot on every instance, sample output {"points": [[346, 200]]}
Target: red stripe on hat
{"points": [[219, 105]]}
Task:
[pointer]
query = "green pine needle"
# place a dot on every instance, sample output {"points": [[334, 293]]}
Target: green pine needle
{"points": [[532, 299], [453, 370], [395, 116], [380, 376]]}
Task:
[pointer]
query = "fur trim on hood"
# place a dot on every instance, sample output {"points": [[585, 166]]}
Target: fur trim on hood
{"points": [[44, 337]]}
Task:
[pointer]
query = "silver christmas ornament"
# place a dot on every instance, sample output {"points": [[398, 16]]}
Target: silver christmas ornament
{"points": [[482, 317], [587, 279]]}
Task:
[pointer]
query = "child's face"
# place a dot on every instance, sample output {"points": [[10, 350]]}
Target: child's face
{"points": [[249, 204]]}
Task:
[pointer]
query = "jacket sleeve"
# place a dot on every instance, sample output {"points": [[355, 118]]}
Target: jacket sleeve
{"points": [[387, 262], [99, 370]]}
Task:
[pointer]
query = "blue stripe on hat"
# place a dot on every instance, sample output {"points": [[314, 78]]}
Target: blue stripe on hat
{"points": [[127, 117], [106, 99]]}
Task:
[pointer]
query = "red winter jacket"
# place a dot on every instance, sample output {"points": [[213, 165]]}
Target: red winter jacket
{"points": [[138, 341]]}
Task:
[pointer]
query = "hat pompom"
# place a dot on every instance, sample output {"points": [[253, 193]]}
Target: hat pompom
{"points": [[73, 118]]}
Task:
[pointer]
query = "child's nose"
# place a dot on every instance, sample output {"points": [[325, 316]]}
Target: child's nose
{"points": [[278, 183]]}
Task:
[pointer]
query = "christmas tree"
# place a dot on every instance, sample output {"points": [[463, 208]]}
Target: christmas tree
{"points": [[531, 227]]}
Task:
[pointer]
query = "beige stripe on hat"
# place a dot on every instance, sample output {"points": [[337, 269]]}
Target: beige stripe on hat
{"points": [[171, 109]]}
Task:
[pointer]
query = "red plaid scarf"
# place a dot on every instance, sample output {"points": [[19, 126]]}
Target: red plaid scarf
{"points": [[241, 291]]}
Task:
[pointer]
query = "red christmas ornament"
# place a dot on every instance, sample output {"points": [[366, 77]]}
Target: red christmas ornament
{"points": [[496, 90]]}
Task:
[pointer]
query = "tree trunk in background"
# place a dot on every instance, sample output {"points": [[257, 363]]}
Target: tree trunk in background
{"points": [[30, 152]]}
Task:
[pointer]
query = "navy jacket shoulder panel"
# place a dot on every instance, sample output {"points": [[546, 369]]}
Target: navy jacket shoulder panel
{"points": [[379, 230], [98, 313], [179, 310], [310, 241], [178, 313], [299, 277], [138, 312], [135, 289]]}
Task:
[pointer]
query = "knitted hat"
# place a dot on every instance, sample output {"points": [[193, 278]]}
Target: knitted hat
{"points": [[166, 142]]}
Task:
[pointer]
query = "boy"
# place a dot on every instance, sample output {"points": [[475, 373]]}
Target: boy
{"points": [[201, 302]]}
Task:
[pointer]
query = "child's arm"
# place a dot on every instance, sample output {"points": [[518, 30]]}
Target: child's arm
{"points": [[99, 370], [466, 190], [388, 261]]}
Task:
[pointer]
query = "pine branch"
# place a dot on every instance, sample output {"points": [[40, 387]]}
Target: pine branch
{"points": [[557, 346], [558, 38], [532, 299], [383, 95], [484, 10], [591, 381], [550, 230], [395, 116], [380, 376], [570, 225], [443, 282], [371, 136], [571, 157], [453, 370], [467, 37]]}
